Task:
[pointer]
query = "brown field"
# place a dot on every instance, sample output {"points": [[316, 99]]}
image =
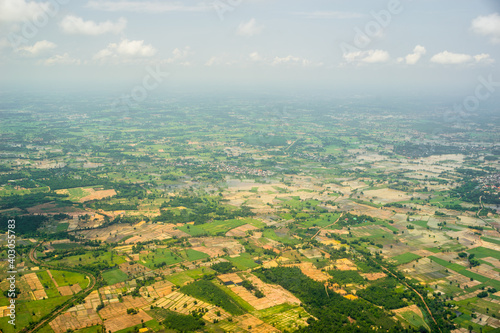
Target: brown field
{"points": [[80, 316], [33, 281], [274, 294], [387, 195], [343, 265], [122, 321], [213, 246], [97, 195], [143, 233], [254, 324], [134, 269], [373, 276], [241, 231], [311, 271], [184, 304], [157, 290]]}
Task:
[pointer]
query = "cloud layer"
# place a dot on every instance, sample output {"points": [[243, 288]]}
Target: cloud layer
{"points": [[126, 49], [450, 58], [249, 29], [487, 26], [76, 25]]}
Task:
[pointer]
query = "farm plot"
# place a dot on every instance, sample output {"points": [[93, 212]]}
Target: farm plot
{"points": [[116, 317], [37, 289], [109, 294], [158, 257], [373, 276], [241, 231], [133, 269], [184, 304], [285, 317], [311, 271], [80, 316], [254, 324], [157, 290], [411, 315], [66, 278], [273, 294], [425, 270], [114, 276], [214, 246], [124, 320], [405, 258]]}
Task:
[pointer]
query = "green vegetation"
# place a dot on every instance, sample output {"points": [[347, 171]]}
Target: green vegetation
{"points": [[114, 276], [405, 258], [66, 278], [330, 309], [209, 292], [183, 323], [346, 277]]}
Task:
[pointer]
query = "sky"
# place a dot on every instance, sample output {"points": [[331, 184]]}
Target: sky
{"points": [[334, 46]]}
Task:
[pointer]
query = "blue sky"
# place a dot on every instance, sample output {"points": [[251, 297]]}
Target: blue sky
{"points": [[353, 46]]}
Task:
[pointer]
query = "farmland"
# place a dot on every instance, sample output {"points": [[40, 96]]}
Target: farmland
{"points": [[309, 224]]}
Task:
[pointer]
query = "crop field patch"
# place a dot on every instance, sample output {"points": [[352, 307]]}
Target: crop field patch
{"points": [[79, 316], [273, 294], [311, 271], [114, 276]]}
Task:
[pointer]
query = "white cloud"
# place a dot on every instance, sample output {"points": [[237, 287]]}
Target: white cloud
{"points": [[487, 26], [4, 43], [126, 49], [63, 59], [38, 48], [484, 58], [180, 56], [12, 11], [330, 15], [76, 25], [413, 58], [212, 61], [369, 56], [292, 60], [249, 28], [449, 58], [255, 57], [146, 6]]}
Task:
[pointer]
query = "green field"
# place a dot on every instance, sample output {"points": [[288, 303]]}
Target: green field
{"points": [[243, 261], [219, 227], [209, 292], [77, 193], [283, 316], [413, 319], [157, 257], [48, 284], [271, 234], [482, 252], [179, 279], [491, 240], [114, 276], [405, 258], [420, 223], [66, 246], [195, 255], [62, 226], [31, 311], [456, 267], [90, 258], [65, 278]]}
